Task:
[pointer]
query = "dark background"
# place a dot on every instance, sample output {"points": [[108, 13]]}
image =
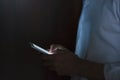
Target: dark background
{"points": [[40, 21]]}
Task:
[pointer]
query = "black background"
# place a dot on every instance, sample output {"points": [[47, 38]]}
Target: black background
{"points": [[40, 21]]}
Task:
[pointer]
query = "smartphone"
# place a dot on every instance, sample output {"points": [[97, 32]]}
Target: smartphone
{"points": [[40, 49]]}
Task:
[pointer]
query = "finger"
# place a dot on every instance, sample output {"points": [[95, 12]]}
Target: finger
{"points": [[54, 47], [59, 51]]}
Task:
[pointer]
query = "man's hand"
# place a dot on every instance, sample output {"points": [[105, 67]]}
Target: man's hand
{"points": [[63, 61]]}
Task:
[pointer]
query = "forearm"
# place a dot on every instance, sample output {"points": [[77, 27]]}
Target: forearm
{"points": [[91, 70]]}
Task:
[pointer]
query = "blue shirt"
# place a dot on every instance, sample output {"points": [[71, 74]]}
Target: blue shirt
{"points": [[98, 37]]}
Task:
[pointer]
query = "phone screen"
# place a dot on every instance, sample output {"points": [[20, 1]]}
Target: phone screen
{"points": [[39, 49]]}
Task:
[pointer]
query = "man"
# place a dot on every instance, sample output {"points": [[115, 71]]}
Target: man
{"points": [[97, 47]]}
